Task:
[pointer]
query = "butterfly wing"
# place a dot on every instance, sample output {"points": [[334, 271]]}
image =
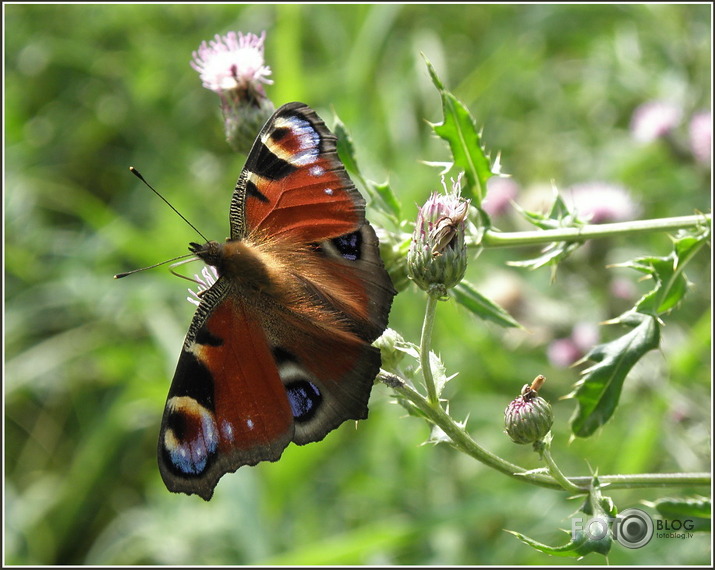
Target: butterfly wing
{"points": [[215, 417], [295, 189], [294, 184]]}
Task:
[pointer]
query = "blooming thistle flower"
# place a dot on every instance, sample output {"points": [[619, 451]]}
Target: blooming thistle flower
{"points": [[500, 193], [600, 202], [701, 136], [437, 258], [563, 352], [233, 67], [529, 417], [210, 276], [654, 120]]}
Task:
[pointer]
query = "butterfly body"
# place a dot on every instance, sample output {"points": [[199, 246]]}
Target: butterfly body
{"points": [[279, 349]]}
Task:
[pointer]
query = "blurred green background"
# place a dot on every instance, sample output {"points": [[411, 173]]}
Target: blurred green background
{"points": [[93, 89]]}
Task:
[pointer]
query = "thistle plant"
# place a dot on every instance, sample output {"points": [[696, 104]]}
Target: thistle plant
{"points": [[437, 258], [450, 230], [597, 211], [233, 67]]}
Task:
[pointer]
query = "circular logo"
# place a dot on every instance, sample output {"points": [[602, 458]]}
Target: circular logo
{"points": [[633, 528]]}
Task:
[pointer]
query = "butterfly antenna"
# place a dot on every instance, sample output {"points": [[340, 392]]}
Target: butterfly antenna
{"points": [[136, 173], [183, 257]]}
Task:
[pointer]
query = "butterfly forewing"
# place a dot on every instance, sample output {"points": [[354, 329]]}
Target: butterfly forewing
{"points": [[294, 184]]}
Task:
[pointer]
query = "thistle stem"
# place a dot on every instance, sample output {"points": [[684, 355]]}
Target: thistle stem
{"points": [[512, 239], [554, 471], [462, 441], [425, 349]]}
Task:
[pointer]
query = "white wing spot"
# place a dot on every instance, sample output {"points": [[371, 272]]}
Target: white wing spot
{"points": [[328, 191], [249, 423], [227, 430], [308, 141], [317, 171]]}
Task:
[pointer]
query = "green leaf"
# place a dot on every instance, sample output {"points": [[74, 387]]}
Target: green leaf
{"points": [[466, 295], [558, 217], [388, 197], [671, 284], [460, 132], [439, 373], [694, 513], [577, 547], [552, 254], [346, 148], [599, 390], [382, 191]]}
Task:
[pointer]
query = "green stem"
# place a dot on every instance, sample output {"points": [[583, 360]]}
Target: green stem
{"points": [[554, 470], [458, 436], [511, 239], [463, 442], [425, 349]]}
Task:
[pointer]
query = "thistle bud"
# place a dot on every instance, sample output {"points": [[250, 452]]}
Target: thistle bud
{"points": [[437, 258], [233, 67], [389, 344], [529, 417]]}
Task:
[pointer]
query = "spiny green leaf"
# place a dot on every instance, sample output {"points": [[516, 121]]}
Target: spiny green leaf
{"points": [[558, 217], [697, 511], [599, 390], [577, 547], [459, 130], [382, 191], [552, 254], [466, 295], [346, 148], [671, 284]]}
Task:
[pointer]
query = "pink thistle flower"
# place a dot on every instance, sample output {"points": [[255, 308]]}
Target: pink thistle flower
{"points": [[563, 352], [600, 202], [701, 136], [654, 120], [233, 62], [500, 193], [233, 67]]}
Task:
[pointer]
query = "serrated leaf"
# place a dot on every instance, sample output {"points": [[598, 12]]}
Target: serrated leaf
{"points": [[696, 512], [599, 390], [459, 130], [577, 547], [466, 295], [346, 148], [552, 254], [388, 197], [671, 284], [559, 217], [437, 435], [439, 373]]}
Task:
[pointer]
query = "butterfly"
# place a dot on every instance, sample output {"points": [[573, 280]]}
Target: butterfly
{"points": [[279, 349]]}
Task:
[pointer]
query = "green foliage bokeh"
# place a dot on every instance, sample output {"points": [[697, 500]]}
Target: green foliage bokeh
{"points": [[93, 89]]}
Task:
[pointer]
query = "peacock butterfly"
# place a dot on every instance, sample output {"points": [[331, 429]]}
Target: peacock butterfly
{"points": [[279, 349]]}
